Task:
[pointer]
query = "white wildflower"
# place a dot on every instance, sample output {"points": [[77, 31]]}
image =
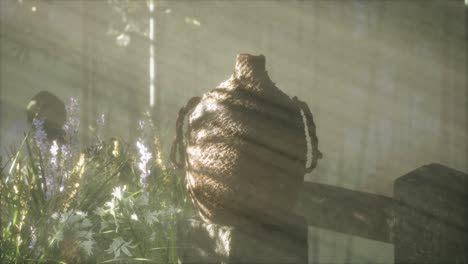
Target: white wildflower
{"points": [[145, 157], [112, 205], [53, 153], [81, 214], [134, 217], [118, 192]]}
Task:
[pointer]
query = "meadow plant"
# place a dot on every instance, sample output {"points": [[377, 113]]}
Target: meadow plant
{"points": [[109, 201]]}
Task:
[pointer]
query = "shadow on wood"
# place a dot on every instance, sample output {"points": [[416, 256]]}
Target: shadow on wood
{"points": [[355, 213], [427, 221], [200, 242]]}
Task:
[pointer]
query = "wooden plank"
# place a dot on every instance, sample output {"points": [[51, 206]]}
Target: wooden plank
{"points": [[355, 213], [432, 216], [200, 242]]}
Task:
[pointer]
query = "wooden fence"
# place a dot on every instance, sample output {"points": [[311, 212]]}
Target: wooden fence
{"points": [[426, 221]]}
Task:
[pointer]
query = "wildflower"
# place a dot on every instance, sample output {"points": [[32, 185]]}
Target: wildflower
{"points": [[51, 175], [81, 214], [117, 245], [53, 154], [72, 108], [55, 216], [65, 151], [54, 149], [40, 134], [118, 192], [112, 205], [73, 120], [134, 217], [145, 156]]}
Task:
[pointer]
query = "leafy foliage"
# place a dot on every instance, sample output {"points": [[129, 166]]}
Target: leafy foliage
{"points": [[109, 201]]}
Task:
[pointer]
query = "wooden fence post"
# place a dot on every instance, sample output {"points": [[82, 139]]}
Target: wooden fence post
{"points": [[432, 216]]}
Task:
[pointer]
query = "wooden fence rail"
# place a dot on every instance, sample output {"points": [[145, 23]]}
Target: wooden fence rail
{"points": [[355, 213], [426, 221]]}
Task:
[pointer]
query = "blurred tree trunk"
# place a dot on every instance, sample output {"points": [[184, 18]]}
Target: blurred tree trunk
{"points": [[85, 86], [155, 93]]}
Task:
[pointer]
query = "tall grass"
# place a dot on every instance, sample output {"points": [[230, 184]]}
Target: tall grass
{"points": [[110, 201]]}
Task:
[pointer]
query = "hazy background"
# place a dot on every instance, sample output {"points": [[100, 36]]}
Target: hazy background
{"points": [[385, 80]]}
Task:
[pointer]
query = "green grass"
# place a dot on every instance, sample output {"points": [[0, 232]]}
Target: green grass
{"points": [[89, 204]]}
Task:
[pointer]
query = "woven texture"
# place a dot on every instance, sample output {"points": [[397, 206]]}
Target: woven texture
{"points": [[245, 148]]}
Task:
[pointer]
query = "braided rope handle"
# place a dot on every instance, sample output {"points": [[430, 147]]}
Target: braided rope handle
{"points": [[316, 154], [178, 143]]}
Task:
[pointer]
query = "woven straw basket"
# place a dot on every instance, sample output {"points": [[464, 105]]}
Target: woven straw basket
{"points": [[245, 148]]}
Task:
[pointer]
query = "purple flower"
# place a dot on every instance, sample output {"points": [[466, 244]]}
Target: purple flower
{"points": [[73, 119], [72, 107], [40, 134]]}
